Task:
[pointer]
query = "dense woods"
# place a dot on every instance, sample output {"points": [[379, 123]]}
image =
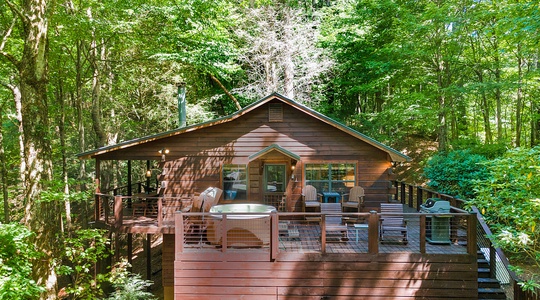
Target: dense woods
{"points": [[78, 75]]}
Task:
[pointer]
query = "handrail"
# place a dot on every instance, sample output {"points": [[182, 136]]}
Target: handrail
{"points": [[371, 217], [405, 191]]}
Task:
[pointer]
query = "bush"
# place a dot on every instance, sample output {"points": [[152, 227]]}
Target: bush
{"points": [[16, 254], [453, 172], [128, 286], [509, 199], [81, 253]]}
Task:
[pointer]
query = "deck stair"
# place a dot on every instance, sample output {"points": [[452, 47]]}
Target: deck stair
{"points": [[488, 288]]}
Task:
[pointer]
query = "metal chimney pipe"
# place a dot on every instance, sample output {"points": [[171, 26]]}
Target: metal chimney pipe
{"points": [[181, 104]]}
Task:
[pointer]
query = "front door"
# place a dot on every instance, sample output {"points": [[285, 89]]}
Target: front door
{"points": [[274, 184]]}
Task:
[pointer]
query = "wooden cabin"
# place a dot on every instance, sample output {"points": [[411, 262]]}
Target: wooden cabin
{"points": [[267, 153]]}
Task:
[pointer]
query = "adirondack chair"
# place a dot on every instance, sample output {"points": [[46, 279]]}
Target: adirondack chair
{"points": [[194, 227], [334, 221], [353, 199], [393, 223], [311, 198]]}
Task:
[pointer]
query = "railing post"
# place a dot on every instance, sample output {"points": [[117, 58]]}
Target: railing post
{"points": [[106, 209], [492, 261], [159, 211], [179, 234], [373, 233], [402, 195], [323, 233], [423, 233], [97, 207], [118, 211], [395, 183], [274, 234], [419, 196], [411, 194], [223, 233], [471, 234]]}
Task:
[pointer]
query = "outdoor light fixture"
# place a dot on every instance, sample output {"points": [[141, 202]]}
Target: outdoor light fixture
{"points": [[163, 151], [148, 173]]}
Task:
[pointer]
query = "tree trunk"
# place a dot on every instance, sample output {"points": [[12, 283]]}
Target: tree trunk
{"points": [[519, 98], [3, 173], [96, 90], [62, 133], [40, 216]]}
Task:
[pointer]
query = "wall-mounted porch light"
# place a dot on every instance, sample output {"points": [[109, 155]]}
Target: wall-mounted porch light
{"points": [[163, 152], [293, 167]]}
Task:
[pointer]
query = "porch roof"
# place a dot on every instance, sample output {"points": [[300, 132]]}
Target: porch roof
{"points": [[394, 154]]}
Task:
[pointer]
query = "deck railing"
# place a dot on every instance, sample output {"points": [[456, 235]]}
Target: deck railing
{"points": [[413, 196], [116, 210], [292, 232]]}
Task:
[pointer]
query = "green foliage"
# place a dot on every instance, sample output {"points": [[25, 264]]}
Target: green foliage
{"points": [[509, 199], [81, 253], [16, 255], [454, 172], [128, 286]]}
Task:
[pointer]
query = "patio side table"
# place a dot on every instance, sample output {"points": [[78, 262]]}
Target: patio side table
{"points": [[358, 227]]}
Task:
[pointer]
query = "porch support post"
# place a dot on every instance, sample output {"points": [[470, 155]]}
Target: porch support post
{"points": [[98, 175], [129, 191], [97, 198], [130, 251], [147, 189], [148, 251]]}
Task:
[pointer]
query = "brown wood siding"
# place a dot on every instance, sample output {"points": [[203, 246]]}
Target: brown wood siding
{"points": [[335, 276], [195, 158]]}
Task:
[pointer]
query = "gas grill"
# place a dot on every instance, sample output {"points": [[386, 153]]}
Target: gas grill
{"points": [[437, 225]]}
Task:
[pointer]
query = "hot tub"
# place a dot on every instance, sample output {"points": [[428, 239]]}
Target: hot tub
{"points": [[247, 225]]}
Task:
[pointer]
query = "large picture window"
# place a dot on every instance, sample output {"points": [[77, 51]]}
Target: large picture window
{"points": [[235, 182], [335, 177]]}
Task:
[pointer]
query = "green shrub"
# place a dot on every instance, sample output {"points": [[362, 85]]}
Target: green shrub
{"points": [[128, 286], [81, 253], [453, 172], [16, 256], [509, 199]]}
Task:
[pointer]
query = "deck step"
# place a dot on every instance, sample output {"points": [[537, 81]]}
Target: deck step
{"points": [[482, 263], [491, 293], [483, 273], [488, 283]]}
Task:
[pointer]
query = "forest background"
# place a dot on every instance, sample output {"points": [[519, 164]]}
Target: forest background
{"points": [[450, 83]]}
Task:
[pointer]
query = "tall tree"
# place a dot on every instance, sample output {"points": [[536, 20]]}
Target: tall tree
{"points": [[32, 66]]}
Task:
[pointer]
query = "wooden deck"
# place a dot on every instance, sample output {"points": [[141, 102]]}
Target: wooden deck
{"points": [[300, 262], [288, 257]]}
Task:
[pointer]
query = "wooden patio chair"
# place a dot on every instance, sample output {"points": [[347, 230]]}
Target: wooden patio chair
{"points": [[311, 198], [312, 201], [196, 226], [334, 220], [393, 223], [353, 199]]}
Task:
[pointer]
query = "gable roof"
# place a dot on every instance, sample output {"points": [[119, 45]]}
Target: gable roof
{"points": [[274, 147], [394, 154]]}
